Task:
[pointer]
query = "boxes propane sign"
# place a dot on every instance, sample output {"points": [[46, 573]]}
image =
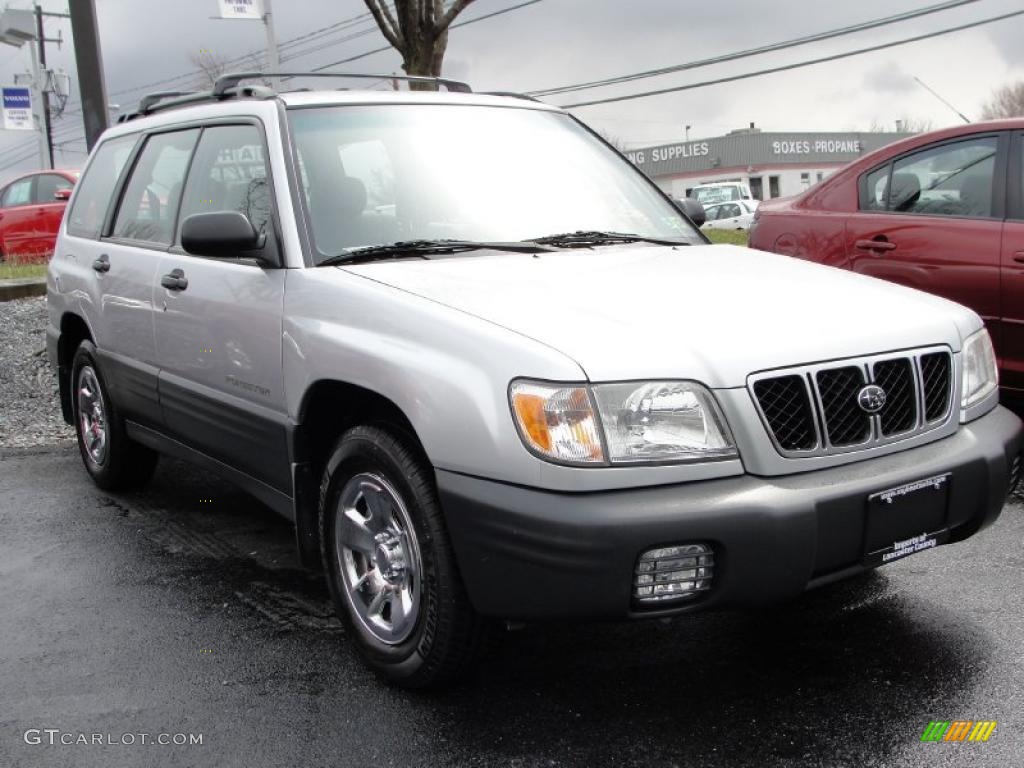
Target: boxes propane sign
{"points": [[17, 104], [241, 9]]}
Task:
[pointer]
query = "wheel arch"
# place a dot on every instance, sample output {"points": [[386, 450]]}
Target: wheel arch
{"points": [[328, 408], [73, 331]]}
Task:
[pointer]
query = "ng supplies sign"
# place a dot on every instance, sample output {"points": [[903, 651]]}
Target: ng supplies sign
{"points": [[17, 109], [240, 9]]}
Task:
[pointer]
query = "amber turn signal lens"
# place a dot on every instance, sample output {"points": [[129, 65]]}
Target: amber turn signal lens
{"points": [[558, 423]]}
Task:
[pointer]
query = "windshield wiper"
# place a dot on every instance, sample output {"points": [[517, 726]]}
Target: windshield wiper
{"points": [[425, 248], [582, 239]]}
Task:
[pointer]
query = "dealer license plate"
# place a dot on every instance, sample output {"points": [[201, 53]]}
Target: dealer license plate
{"points": [[905, 520]]}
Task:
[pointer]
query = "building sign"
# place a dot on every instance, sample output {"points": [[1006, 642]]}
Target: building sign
{"points": [[18, 109], [741, 150], [817, 147], [241, 9], [670, 152]]}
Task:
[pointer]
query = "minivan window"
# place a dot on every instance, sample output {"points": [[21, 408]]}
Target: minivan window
{"points": [[149, 206], [229, 173], [374, 175], [947, 180], [97, 185]]}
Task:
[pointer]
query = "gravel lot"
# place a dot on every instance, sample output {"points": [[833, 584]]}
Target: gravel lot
{"points": [[29, 405]]}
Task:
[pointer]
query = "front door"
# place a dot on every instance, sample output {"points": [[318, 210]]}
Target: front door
{"points": [[218, 327], [49, 210], [932, 220]]}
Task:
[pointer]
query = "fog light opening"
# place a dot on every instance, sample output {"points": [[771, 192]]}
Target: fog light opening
{"points": [[672, 573]]}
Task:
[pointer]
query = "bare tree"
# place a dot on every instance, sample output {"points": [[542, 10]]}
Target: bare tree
{"points": [[208, 67], [417, 29], [902, 125], [1007, 101]]}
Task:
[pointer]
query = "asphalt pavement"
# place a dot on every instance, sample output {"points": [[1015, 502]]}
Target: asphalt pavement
{"points": [[181, 612]]}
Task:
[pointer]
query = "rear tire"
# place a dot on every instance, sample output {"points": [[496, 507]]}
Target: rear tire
{"points": [[389, 563], [113, 460]]}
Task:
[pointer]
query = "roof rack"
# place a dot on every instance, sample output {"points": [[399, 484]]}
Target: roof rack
{"points": [[229, 86], [226, 82]]}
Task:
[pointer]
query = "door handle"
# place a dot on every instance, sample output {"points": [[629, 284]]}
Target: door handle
{"points": [[174, 280], [1019, 257], [102, 264], [875, 245]]}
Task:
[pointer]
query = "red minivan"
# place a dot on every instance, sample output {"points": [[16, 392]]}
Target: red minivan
{"points": [[942, 211], [31, 208]]}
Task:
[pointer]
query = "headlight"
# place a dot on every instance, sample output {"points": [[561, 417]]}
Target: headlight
{"points": [[642, 422], [662, 421], [981, 374]]}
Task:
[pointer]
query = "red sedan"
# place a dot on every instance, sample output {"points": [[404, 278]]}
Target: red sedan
{"points": [[31, 208], [942, 211]]}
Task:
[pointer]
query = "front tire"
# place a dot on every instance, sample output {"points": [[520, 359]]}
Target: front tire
{"points": [[389, 563], [113, 460]]}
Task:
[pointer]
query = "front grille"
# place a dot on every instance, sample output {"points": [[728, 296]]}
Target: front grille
{"points": [[935, 383], [896, 377], [815, 409], [787, 407], [845, 422]]}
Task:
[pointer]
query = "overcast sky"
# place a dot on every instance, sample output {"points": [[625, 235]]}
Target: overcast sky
{"points": [[558, 42]]}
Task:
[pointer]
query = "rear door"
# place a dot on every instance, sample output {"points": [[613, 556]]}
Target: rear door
{"points": [[49, 209], [933, 219], [17, 216], [1012, 351], [218, 333], [124, 263]]}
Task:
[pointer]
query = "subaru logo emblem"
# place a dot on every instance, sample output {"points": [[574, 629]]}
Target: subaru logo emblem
{"points": [[871, 398]]}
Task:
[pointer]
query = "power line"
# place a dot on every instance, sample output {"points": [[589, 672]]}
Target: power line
{"points": [[798, 41], [796, 65]]}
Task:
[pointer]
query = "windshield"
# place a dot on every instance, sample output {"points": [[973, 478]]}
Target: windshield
{"points": [[374, 175], [717, 194]]}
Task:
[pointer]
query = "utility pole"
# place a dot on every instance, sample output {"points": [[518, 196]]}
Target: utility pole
{"points": [[273, 59], [90, 69], [44, 91]]}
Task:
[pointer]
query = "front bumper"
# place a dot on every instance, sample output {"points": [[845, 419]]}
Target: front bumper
{"points": [[533, 554]]}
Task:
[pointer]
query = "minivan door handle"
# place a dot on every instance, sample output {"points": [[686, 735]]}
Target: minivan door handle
{"points": [[880, 244], [102, 264], [174, 280]]}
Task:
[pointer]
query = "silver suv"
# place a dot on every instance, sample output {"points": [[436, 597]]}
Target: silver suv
{"points": [[492, 372]]}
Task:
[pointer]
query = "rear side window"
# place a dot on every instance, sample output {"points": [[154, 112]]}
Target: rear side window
{"points": [[97, 185], [149, 207], [47, 187], [953, 179], [19, 193], [229, 173]]}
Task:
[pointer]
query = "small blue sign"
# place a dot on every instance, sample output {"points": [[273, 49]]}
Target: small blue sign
{"points": [[17, 98]]}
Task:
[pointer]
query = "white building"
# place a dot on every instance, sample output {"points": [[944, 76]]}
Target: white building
{"points": [[773, 164]]}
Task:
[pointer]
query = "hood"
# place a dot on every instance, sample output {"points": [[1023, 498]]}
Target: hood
{"points": [[713, 313]]}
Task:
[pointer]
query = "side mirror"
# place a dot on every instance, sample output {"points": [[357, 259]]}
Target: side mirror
{"points": [[693, 210], [220, 235], [62, 194]]}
